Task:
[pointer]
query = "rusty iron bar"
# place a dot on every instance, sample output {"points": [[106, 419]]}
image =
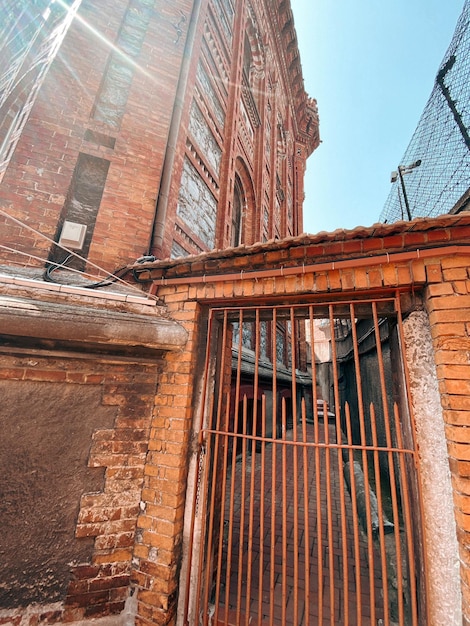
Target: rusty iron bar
{"points": [[242, 515], [226, 442], [253, 466], [378, 489], [342, 493], [262, 507], [306, 515], [407, 514], [396, 523], [273, 469], [284, 512], [365, 469], [293, 327], [233, 469], [396, 528], [356, 529], [222, 512], [216, 438]]}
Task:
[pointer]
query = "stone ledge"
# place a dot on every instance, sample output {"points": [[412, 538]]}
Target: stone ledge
{"points": [[87, 326]]}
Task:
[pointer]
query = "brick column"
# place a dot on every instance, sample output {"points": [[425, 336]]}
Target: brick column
{"points": [[157, 553], [448, 302]]}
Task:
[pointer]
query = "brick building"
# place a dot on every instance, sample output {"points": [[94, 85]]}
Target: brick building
{"points": [[127, 129], [166, 453], [173, 130]]}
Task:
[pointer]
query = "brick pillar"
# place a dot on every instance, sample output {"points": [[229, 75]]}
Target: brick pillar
{"points": [[157, 553]]}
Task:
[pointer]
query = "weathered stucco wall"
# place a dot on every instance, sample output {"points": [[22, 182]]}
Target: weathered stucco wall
{"points": [[46, 438], [72, 454], [78, 377]]}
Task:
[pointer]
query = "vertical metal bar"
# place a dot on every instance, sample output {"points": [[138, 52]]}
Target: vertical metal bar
{"points": [[344, 539], [355, 518], [249, 574], [273, 471], [306, 514], [318, 494], [396, 522], [295, 466], [262, 509], [329, 516], [317, 466], [284, 514], [378, 491], [236, 419], [365, 468], [242, 515], [386, 415], [222, 510], [253, 470], [215, 487], [407, 517], [233, 477]]}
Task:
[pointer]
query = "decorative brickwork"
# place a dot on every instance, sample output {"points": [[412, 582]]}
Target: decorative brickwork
{"points": [[162, 103]]}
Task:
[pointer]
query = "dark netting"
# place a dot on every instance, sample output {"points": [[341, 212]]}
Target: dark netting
{"points": [[434, 176]]}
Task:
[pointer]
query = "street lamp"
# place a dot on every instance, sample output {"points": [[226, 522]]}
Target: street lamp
{"points": [[404, 169]]}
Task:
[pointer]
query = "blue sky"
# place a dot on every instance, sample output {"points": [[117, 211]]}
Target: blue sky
{"points": [[371, 66]]}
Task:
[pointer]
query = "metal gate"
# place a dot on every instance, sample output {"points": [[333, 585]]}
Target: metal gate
{"points": [[304, 507]]}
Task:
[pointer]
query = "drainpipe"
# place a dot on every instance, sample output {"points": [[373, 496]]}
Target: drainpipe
{"points": [[158, 226]]}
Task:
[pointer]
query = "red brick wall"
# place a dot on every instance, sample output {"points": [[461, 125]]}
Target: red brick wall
{"points": [[157, 553], [448, 303], [37, 180]]}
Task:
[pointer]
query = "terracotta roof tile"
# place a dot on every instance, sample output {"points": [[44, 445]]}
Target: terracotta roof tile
{"points": [[328, 240]]}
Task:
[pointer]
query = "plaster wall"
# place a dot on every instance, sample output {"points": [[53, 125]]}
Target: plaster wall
{"points": [[443, 594]]}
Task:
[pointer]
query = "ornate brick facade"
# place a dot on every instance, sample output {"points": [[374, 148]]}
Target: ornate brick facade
{"points": [[164, 130], [175, 128]]}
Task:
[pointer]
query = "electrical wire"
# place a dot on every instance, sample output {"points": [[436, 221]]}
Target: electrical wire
{"points": [[109, 279], [54, 266]]}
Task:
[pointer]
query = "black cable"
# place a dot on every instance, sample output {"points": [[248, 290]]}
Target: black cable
{"points": [[109, 280]]}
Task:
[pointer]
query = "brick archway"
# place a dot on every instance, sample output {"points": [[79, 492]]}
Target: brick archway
{"points": [[249, 216]]}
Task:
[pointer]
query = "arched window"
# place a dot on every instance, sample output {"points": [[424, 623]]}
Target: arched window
{"points": [[247, 59], [237, 212]]}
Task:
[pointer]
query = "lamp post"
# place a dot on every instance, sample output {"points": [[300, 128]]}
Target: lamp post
{"points": [[405, 169]]}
